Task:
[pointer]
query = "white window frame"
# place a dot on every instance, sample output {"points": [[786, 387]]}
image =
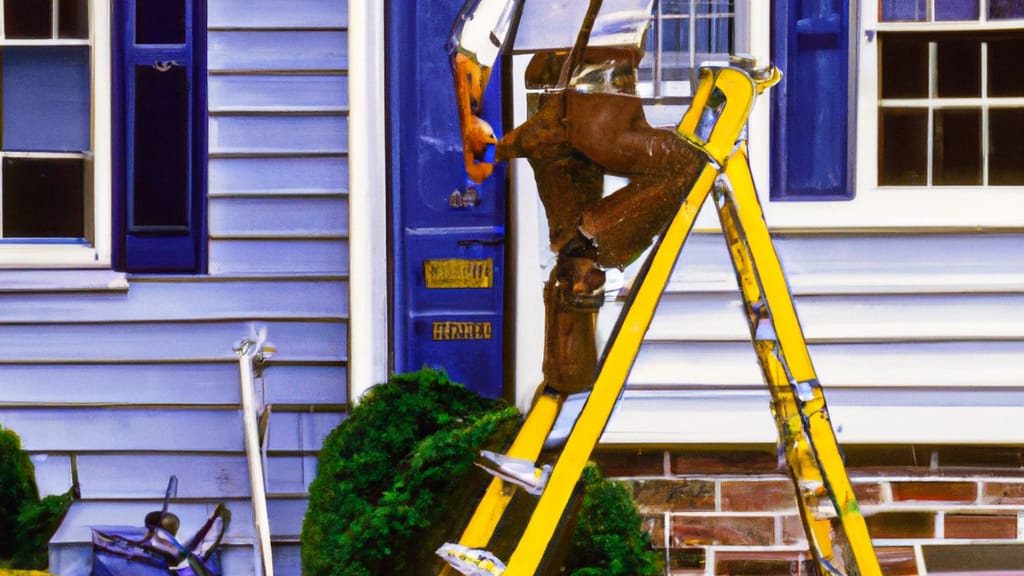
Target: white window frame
{"points": [[26, 254], [874, 207]]}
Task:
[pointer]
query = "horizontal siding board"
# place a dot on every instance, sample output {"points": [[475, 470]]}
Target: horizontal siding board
{"points": [[74, 429], [278, 134], [278, 175], [180, 430], [144, 476], [661, 419], [188, 300], [867, 263], [86, 513], [719, 316], [290, 431], [52, 473], [253, 257], [278, 13], [174, 341], [277, 50], [278, 217], [305, 384], [317, 93], [927, 365], [166, 384]]}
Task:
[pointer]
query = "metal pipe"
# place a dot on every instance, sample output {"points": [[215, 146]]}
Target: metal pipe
{"points": [[250, 353]]}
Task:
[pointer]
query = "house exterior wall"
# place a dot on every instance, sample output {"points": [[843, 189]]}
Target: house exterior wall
{"points": [[125, 380]]}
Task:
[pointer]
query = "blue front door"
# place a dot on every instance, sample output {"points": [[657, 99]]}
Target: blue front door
{"points": [[448, 250]]}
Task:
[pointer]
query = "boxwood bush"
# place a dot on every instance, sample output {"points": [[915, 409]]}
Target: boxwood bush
{"points": [[396, 479], [26, 522]]}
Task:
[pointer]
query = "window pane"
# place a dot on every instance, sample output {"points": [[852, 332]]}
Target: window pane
{"points": [[904, 67], [43, 198], [160, 162], [159, 21], [46, 98], [957, 147], [713, 29], [956, 9], [959, 68], [1006, 147], [903, 147], [28, 18], [73, 21], [675, 49], [999, 9], [914, 10], [1004, 67]]}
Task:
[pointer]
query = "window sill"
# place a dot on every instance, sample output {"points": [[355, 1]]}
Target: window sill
{"points": [[77, 280]]}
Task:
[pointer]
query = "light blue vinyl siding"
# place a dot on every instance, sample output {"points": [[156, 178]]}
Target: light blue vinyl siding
{"points": [[904, 329], [159, 383], [168, 341], [128, 386], [278, 50], [278, 13], [269, 93], [278, 217], [254, 257], [281, 175], [278, 134]]}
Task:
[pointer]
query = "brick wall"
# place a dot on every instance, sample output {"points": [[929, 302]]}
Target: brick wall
{"points": [[714, 510]]}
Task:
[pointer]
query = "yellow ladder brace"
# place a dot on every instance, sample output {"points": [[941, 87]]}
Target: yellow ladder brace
{"points": [[805, 432], [802, 467], [801, 414]]}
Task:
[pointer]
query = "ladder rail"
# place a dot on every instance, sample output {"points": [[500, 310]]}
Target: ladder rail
{"points": [[807, 394], [800, 410]]}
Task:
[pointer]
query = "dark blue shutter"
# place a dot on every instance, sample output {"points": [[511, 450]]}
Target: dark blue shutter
{"points": [[447, 258], [811, 108], [160, 94]]}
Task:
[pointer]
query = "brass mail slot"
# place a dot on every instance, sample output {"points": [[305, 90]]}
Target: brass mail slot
{"points": [[459, 273]]}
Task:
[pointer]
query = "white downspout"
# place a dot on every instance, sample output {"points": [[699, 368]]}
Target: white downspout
{"points": [[250, 354], [368, 287]]}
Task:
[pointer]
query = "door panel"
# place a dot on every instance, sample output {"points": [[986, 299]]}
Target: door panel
{"points": [[447, 256]]}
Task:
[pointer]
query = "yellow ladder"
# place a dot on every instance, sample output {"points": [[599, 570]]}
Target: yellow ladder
{"points": [[836, 531]]}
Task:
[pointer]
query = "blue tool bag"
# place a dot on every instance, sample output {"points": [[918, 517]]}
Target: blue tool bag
{"points": [[154, 550]]}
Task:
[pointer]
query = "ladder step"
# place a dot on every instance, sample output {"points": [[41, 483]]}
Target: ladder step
{"points": [[470, 561], [518, 471]]}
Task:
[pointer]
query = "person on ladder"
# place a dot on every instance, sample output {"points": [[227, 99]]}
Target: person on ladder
{"points": [[590, 122]]}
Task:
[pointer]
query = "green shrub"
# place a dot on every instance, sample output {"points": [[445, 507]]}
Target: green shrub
{"points": [[386, 471], [26, 522], [17, 488], [609, 539], [37, 523], [396, 479]]}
